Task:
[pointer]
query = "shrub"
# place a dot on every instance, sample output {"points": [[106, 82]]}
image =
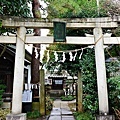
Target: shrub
{"points": [[114, 92], [2, 89], [33, 114], [49, 103], [88, 71], [3, 113], [117, 113], [67, 98], [83, 116]]}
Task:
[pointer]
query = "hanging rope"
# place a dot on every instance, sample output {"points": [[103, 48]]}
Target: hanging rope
{"points": [[64, 58], [81, 54], [56, 56], [64, 51], [98, 39]]}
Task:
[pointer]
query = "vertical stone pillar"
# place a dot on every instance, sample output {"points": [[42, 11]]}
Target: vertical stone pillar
{"points": [[101, 71], [42, 92], [19, 71], [80, 92]]}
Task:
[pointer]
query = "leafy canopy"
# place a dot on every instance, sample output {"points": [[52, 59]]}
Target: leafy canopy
{"points": [[15, 8], [18, 8], [73, 8]]}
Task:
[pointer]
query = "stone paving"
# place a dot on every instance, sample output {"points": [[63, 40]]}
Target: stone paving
{"points": [[61, 111]]}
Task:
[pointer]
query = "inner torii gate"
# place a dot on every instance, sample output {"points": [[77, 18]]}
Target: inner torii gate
{"points": [[98, 39]]}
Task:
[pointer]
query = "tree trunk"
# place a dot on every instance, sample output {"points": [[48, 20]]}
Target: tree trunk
{"points": [[36, 49]]}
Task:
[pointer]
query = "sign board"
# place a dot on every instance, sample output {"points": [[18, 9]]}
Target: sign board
{"points": [[59, 31]]}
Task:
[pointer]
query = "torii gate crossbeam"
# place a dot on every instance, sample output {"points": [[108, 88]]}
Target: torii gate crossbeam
{"points": [[96, 24], [69, 40]]}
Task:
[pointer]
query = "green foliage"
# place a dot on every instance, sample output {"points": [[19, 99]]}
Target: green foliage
{"points": [[0, 23], [114, 92], [112, 68], [49, 103], [73, 8], [15, 8], [33, 114], [117, 31], [18, 8], [2, 89], [88, 69], [114, 51], [83, 116], [82, 8], [67, 98], [3, 113]]}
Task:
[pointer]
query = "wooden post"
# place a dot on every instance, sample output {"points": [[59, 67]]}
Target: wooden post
{"points": [[80, 92], [101, 71], [18, 71], [42, 92]]}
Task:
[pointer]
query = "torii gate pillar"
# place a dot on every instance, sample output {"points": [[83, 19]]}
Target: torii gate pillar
{"points": [[101, 71], [18, 77]]}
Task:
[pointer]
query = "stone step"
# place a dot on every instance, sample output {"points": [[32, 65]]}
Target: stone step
{"points": [[61, 118], [61, 114]]}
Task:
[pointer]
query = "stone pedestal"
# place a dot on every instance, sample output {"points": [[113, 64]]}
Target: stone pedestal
{"points": [[21, 116], [105, 117]]}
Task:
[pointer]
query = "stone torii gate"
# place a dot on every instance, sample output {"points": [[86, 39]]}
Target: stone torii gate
{"points": [[98, 39]]}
